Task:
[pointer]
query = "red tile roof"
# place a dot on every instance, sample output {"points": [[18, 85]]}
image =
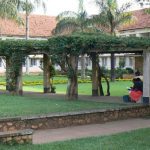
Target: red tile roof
{"points": [[141, 20], [40, 26]]}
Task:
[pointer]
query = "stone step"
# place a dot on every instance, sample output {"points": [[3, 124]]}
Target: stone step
{"points": [[19, 137]]}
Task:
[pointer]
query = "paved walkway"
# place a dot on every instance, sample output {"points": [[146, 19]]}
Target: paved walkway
{"points": [[74, 132]]}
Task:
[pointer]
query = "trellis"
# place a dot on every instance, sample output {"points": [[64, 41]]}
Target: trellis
{"points": [[71, 46]]}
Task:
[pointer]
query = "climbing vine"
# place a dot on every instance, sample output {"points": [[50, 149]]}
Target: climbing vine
{"points": [[66, 46]]}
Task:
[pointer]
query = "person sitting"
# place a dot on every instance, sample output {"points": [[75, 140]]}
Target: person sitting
{"points": [[136, 91]]}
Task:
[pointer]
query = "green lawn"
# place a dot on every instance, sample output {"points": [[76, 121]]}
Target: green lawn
{"points": [[34, 78], [16, 105], [118, 88], [134, 140]]}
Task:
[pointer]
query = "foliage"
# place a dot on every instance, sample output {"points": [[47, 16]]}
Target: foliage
{"points": [[110, 16], [70, 21], [129, 70], [29, 5], [83, 43], [119, 72], [9, 9], [52, 71], [71, 45]]}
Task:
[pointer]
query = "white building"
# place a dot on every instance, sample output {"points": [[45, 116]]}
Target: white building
{"points": [[41, 27]]}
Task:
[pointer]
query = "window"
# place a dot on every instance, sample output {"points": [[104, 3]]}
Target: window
{"points": [[33, 62], [145, 34]]}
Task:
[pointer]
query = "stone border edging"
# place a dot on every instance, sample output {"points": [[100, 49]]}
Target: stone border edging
{"points": [[59, 120]]}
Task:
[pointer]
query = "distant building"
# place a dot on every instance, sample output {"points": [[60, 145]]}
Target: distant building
{"points": [[41, 27], [144, 3]]}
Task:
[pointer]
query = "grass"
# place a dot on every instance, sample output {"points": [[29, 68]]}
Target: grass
{"points": [[134, 140], [34, 78], [25, 106], [118, 88]]}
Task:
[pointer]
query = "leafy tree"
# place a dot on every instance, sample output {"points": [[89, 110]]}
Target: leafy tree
{"points": [[69, 22], [110, 18], [9, 9], [28, 6]]}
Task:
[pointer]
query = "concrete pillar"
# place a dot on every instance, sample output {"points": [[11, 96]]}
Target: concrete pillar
{"points": [[112, 76], [146, 76], [83, 66], [127, 61], [117, 62], [46, 73], [94, 76], [108, 62]]}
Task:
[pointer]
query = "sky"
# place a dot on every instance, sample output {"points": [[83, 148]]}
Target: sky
{"points": [[54, 7]]}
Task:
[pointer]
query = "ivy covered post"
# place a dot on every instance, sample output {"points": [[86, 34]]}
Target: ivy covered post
{"points": [[14, 74], [72, 88], [46, 73], [94, 75]]}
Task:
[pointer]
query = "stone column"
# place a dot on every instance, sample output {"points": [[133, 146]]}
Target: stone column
{"points": [[94, 76], [146, 76], [46, 73]]}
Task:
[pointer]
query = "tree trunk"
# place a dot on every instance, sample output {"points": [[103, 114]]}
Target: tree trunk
{"points": [[108, 86], [72, 89], [101, 92], [19, 90], [94, 75], [46, 73]]}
